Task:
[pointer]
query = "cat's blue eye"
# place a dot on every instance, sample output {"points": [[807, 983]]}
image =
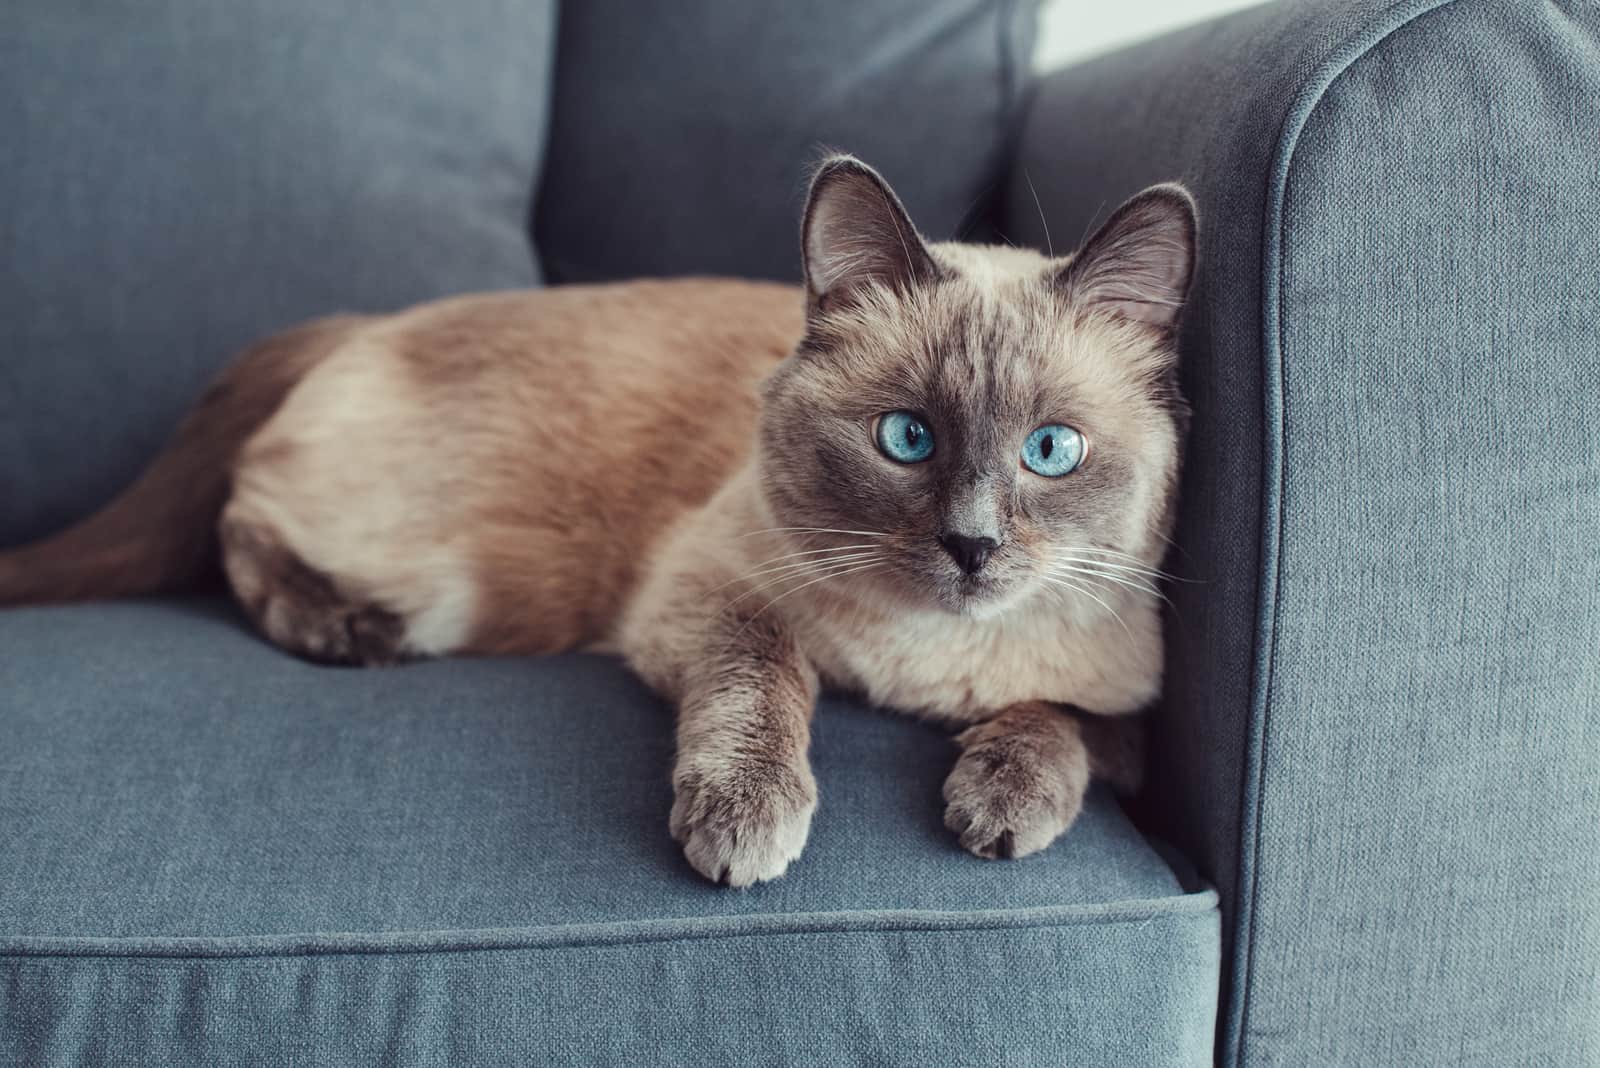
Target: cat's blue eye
{"points": [[1053, 450], [904, 438]]}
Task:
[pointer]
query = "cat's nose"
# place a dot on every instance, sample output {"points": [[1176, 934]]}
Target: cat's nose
{"points": [[970, 554]]}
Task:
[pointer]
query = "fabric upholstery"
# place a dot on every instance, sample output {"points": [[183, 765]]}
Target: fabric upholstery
{"points": [[1389, 653], [211, 852], [681, 130], [179, 179]]}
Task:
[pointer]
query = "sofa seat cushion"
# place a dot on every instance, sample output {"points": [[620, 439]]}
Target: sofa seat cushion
{"points": [[212, 852]]}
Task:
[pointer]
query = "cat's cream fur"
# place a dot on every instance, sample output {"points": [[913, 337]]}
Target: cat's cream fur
{"points": [[620, 467], [503, 456]]}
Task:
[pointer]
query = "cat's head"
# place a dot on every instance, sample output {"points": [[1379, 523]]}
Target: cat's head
{"points": [[976, 418]]}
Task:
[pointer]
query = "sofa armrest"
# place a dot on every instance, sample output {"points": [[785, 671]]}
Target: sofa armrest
{"points": [[1382, 722]]}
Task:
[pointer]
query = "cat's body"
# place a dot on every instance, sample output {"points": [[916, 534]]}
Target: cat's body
{"points": [[407, 465], [684, 472]]}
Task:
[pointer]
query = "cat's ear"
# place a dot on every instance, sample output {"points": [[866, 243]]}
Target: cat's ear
{"points": [[1139, 264], [856, 234]]}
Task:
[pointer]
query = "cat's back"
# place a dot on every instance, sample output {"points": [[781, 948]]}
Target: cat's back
{"points": [[529, 444], [607, 377], [661, 331]]}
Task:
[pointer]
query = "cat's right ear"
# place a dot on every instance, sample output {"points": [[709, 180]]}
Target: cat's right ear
{"points": [[1138, 266], [856, 234]]}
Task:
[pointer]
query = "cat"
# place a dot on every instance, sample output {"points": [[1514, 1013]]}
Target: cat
{"points": [[939, 476]]}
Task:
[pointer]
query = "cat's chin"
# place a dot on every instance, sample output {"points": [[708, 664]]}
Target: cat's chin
{"points": [[977, 602]]}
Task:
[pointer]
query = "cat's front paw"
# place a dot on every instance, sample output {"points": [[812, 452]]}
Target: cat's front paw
{"points": [[742, 821], [1013, 792]]}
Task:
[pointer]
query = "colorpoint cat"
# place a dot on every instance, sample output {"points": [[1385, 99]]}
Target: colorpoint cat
{"points": [[940, 476]]}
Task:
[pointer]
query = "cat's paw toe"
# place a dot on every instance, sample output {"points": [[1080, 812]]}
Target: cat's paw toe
{"points": [[743, 823], [1004, 804]]}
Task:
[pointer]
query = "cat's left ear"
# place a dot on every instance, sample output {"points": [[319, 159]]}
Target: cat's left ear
{"points": [[856, 235], [1139, 264]]}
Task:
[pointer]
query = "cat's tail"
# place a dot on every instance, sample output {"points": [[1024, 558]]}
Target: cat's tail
{"points": [[160, 533]]}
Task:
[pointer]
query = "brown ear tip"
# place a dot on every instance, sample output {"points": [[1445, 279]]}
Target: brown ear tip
{"points": [[1173, 190], [1172, 196], [836, 164]]}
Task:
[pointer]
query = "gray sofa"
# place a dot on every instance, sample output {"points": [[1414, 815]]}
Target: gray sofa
{"points": [[1372, 830]]}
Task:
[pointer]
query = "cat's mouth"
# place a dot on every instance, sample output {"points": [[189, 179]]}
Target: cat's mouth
{"points": [[976, 585], [980, 595]]}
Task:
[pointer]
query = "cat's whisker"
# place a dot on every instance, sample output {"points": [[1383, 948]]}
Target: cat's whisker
{"points": [[1086, 592], [1089, 224], [1095, 550], [1040, 208], [800, 565], [815, 530], [1107, 565], [1101, 549], [1108, 576], [837, 574], [1148, 589], [803, 578], [814, 568], [825, 569], [773, 567], [819, 552], [1145, 579], [765, 565], [1063, 592], [1147, 576], [1059, 587], [1167, 538], [1130, 560], [1132, 582]]}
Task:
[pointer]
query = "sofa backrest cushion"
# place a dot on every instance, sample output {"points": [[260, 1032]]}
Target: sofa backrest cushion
{"points": [[682, 131], [180, 178]]}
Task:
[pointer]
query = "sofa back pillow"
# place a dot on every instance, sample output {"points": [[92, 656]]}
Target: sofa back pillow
{"points": [[180, 178], [681, 131]]}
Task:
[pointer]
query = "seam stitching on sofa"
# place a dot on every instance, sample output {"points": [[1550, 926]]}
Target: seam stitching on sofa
{"points": [[1310, 97], [1139, 912]]}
